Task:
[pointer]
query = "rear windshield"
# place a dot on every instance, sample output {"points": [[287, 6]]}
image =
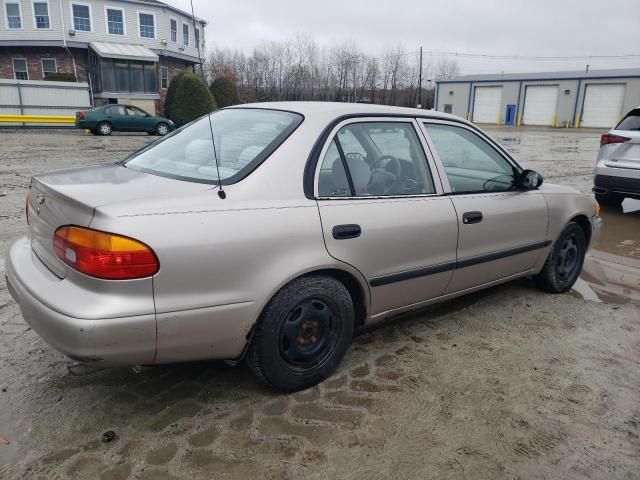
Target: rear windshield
{"points": [[244, 138], [631, 121]]}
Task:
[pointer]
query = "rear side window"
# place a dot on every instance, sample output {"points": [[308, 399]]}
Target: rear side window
{"points": [[382, 159], [244, 138], [631, 121]]}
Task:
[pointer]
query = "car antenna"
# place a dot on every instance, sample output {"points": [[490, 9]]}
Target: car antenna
{"points": [[221, 192]]}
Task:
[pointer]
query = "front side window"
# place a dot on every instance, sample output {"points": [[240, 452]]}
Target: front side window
{"points": [[135, 112], [244, 138], [147, 25], [14, 18], [115, 21], [470, 162], [185, 34], [20, 69], [382, 158], [49, 66], [81, 17], [41, 13], [173, 26]]}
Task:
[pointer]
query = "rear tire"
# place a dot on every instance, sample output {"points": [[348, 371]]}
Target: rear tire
{"points": [[613, 200], [564, 263], [104, 128], [162, 129], [302, 334]]}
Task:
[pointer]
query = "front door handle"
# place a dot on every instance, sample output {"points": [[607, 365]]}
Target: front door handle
{"points": [[343, 232], [471, 217]]}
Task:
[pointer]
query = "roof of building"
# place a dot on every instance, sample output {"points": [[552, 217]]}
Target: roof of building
{"points": [[566, 75], [166, 5], [123, 51]]}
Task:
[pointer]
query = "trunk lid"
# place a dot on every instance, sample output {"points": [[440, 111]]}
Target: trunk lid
{"points": [[624, 155], [70, 197]]}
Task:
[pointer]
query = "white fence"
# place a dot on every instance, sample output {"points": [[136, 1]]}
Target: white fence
{"points": [[42, 98]]}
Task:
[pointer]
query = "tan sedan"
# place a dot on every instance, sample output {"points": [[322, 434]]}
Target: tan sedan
{"points": [[296, 225]]}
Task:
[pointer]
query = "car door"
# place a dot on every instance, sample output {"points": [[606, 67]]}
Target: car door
{"points": [[117, 116], [138, 119], [502, 228], [384, 213]]}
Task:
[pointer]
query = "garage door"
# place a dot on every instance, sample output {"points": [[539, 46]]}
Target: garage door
{"points": [[486, 105], [602, 105], [540, 103]]}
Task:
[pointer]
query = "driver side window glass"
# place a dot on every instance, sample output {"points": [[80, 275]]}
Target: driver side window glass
{"points": [[383, 159], [471, 164]]}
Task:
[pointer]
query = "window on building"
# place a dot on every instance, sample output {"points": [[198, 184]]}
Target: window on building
{"points": [[128, 76], [196, 36], [164, 78], [147, 25], [174, 30], [448, 108], [14, 17], [115, 21], [49, 65], [41, 13], [81, 17], [20, 69], [185, 34]]}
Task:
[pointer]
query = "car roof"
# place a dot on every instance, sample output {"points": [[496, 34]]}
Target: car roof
{"points": [[339, 109]]}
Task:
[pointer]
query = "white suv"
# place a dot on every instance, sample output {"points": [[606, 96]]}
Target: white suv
{"points": [[617, 174]]}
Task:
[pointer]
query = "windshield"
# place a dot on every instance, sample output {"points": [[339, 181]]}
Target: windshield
{"points": [[244, 138]]}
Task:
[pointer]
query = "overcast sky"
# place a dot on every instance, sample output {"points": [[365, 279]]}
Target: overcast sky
{"points": [[493, 27]]}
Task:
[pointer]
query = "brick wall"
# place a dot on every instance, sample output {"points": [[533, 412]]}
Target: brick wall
{"points": [[33, 55]]}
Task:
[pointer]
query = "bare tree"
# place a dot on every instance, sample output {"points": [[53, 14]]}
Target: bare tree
{"points": [[299, 69]]}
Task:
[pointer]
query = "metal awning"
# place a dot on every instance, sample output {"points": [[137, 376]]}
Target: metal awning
{"points": [[123, 51]]}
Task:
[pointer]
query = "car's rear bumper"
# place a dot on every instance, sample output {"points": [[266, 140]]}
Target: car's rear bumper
{"points": [[617, 182], [127, 340]]}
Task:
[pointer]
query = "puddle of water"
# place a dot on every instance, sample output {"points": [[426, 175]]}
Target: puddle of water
{"points": [[611, 270]]}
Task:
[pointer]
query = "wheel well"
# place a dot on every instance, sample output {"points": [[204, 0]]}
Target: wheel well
{"points": [[585, 224], [353, 286]]}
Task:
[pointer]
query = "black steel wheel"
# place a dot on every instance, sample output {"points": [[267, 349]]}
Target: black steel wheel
{"points": [[302, 334], [564, 263]]}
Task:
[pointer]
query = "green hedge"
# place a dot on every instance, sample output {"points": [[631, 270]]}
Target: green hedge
{"points": [[225, 92], [187, 98]]}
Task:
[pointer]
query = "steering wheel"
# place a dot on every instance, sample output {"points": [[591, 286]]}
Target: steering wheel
{"points": [[498, 184], [381, 177]]}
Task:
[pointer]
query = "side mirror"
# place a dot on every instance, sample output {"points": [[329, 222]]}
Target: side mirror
{"points": [[530, 179]]}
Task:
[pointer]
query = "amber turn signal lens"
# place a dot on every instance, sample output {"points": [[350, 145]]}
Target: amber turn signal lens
{"points": [[597, 209], [104, 255]]}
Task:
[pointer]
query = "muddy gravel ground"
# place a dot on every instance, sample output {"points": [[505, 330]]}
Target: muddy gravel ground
{"points": [[508, 383]]}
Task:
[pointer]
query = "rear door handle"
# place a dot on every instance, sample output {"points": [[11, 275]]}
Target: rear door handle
{"points": [[471, 217], [343, 232]]}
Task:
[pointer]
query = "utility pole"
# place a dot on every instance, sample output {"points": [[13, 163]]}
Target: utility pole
{"points": [[420, 82]]}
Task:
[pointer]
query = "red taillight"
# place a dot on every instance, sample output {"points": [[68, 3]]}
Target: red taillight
{"points": [[81, 115], [607, 138], [104, 255]]}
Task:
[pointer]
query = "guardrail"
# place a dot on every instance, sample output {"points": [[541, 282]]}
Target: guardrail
{"points": [[59, 119]]}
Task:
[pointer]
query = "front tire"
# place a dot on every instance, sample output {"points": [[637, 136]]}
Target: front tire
{"points": [[303, 334], [104, 128], [564, 263]]}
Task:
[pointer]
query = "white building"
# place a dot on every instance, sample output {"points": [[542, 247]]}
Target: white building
{"points": [[128, 50]]}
